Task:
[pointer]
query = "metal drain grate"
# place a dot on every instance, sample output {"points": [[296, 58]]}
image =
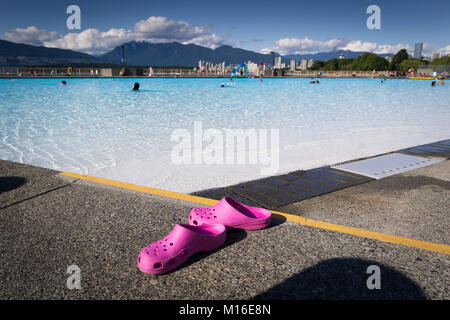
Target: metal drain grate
{"points": [[437, 149], [387, 165], [277, 191]]}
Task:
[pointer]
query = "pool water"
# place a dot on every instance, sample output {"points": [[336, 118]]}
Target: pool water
{"points": [[100, 127]]}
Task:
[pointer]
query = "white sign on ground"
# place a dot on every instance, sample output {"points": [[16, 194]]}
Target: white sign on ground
{"points": [[386, 165]]}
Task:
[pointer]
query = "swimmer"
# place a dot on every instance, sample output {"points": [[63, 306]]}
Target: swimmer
{"points": [[433, 84], [317, 81], [63, 83], [441, 81], [136, 86], [222, 85], [312, 80]]}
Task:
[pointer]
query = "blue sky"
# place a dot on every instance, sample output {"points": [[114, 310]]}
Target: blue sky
{"points": [[286, 26]]}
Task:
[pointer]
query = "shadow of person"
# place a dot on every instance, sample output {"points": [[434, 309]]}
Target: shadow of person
{"points": [[344, 278], [11, 183]]}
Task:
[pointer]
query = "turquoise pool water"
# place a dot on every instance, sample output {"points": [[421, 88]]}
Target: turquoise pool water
{"points": [[100, 127]]}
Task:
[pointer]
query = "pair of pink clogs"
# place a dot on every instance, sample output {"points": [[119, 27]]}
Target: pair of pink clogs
{"points": [[206, 231]]}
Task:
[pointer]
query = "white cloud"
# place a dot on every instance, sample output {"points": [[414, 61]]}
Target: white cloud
{"points": [[31, 35], [211, 41], [445, 51], [374, 47], [153, 29], [163, 28], [306, 45], [92, 40]]}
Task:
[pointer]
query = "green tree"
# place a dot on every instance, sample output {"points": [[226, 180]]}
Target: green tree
{"points": [[370, 61], [408, 63], [442, 61], [398, 58], [317, 65], [345, 64], [374, 62], [331, 65]]}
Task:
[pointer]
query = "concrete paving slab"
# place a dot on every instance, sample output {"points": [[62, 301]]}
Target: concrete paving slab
{"points": [[102, 229], [413, 204], [19, 182]]}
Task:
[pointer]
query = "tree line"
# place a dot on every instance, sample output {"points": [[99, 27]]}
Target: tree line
{"points": [[370, 61]]}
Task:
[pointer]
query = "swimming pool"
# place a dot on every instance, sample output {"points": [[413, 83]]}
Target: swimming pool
{"points": [[100, 127]]}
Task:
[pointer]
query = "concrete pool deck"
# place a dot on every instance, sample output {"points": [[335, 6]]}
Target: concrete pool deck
{"points": [[317, 248]]}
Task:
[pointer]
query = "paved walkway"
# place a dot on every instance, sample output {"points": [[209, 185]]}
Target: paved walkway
{"points": [[49, 221]]}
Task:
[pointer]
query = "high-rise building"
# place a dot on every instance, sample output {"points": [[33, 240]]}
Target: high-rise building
{"points": [[310, 63], [304, 64], [293, 65], [435, 55], [418, 51], [277, 63]]}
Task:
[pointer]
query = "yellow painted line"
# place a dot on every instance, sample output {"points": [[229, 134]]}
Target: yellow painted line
{"points": [[436, 247], [135, 187]]}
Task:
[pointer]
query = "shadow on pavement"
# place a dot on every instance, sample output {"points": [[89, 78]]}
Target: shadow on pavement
{"points": [[11, 183], [276, 220], [407, 183], [344, 278]]}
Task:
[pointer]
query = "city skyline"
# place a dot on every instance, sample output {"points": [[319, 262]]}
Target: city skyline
{"points": [[304, 28]]}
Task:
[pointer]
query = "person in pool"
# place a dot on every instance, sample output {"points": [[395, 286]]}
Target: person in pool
{"points": [[63, 83], [433, 84], [441, 81], [312, 80], [136, 86]]}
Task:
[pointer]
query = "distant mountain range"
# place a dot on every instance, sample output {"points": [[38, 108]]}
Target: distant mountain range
{"points": [[18, 54], [177, 54], [147, 54]]}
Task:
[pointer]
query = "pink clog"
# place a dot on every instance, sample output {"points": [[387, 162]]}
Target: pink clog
{"points": [[231, 213], [182, 242]]}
